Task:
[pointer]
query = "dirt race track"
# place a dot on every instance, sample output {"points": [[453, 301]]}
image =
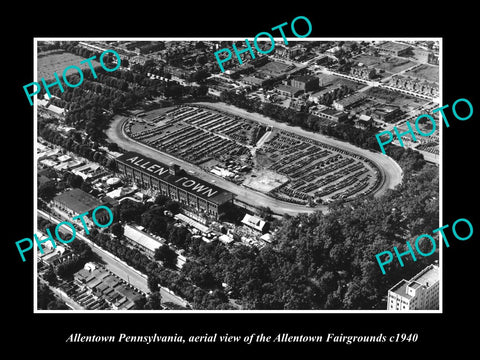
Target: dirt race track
{"points": [[391, 171]]}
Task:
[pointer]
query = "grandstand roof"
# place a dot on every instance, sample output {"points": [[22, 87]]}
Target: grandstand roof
{"points": [[181, 179], [141, 238]]}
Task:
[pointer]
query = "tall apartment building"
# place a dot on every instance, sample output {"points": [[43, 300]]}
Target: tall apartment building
{"points": [[419, 293]]}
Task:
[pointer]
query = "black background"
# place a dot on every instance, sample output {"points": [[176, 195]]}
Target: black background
{"points": [[460, 75]]}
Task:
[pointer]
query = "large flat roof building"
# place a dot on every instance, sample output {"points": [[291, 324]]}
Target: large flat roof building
{"points": [[305, 82], [75, 202], [172, 181], [349, 101], [142, 240], [393, 48], [419, 293]]}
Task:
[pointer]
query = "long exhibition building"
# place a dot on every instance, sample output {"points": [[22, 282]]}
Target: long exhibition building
{"points": [[172, 181]]}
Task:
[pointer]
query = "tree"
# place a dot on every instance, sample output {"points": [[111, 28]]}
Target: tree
{"points": [[166, 255], [117, 229], [139, 304], [155, 221], [266, 213], [74, 181], [201, 59], [154, 301], [161, 199], [131, 211], [57, 305], [174, 91], [96, 156], [200, 45], [152, 282], [44, 295], [173, 206], [47, 191], [179, 236], [113, 147], [50, 277], [111, 164], [86, 187]]}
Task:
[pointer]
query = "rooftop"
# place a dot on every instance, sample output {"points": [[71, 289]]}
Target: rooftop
{"points": [[253, 79], [304, 78], [78, 200], [182, 180], [288, 88], [191, 222], [401, 289], [427, 276], [141, 238], [351, 99], [254, 222]]}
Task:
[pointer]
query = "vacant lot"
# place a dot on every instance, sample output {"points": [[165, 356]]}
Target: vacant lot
{"points": [[274, 67], [57, 62], [394, 98], [265, 180], [425, 71], [391, 65]]}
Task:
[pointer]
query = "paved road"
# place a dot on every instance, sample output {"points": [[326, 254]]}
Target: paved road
{"points": [[120, 268]]}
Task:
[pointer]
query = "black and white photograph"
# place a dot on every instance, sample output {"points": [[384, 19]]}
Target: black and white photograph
{"points": [[261, 187], [210, 179]]}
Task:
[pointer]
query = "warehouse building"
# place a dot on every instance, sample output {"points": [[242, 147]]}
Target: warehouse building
{"points": [[170, 180], [75, 202]]}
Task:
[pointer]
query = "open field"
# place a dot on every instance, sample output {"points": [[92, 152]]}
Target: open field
{"points": [[391, 65], [57, 62], [396, 99], [265, 180], [425, 71], [274, 67]]}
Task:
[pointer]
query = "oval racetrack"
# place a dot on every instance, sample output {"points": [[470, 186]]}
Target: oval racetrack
{"points": [[391, 171]]}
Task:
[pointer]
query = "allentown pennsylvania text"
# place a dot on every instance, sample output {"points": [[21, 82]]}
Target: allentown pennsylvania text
{"points": [[248, 339]]}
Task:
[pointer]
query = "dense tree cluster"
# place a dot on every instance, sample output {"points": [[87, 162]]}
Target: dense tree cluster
{"points": [[132, 257], [47, 191], [359, 137], [73, 142], [82, 254], [46, 300], [326, 261], [91, 105], [151, 46], [166, 255]]}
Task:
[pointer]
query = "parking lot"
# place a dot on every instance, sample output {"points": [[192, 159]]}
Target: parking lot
{"points": [[310, 172]]}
